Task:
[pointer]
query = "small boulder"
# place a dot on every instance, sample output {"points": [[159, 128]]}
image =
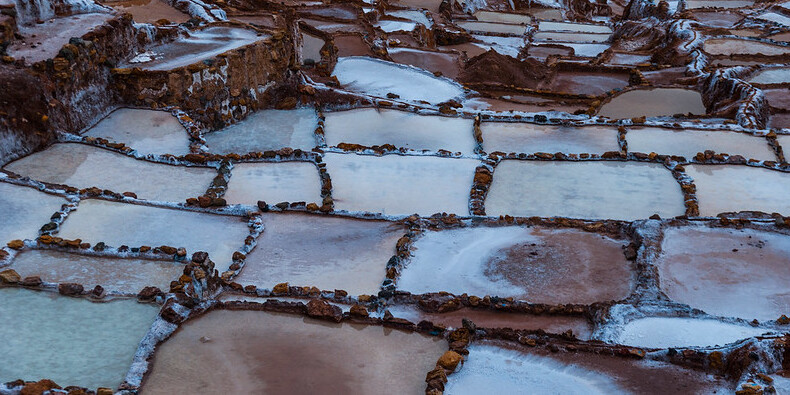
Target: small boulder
{"points": [[70, 289], [10, 276], [322, 309], [449, 360]]}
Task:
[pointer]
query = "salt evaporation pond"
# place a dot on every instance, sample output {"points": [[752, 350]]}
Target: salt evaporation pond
{"points": [[447, 63], [118, 224], [735, 46], [43, 41], [482, 318], [771, 76], [687, 143], [666, 332], [146, 131], [727, 272], [602, 190], [570, 37], [24, 211], [416, 16], [626, 375], [273, 182], [573, 27], [654, 102], [257, 352], [197, 46], [68, 340], [401, 185], [731, 188], [530, 138], [537, 265], [370, 126], [149, 11], [587, 50], [124, 275], [377, 78], [491, 369], [325, 252], [495, 28], [266, 130], [311, 48], [391, 26], [502, 17], [84, 166]]}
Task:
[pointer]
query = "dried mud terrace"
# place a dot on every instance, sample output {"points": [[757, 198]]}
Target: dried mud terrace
{"points": [[416, 196]]}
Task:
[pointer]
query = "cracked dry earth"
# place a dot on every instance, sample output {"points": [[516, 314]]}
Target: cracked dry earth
{"points": [[394, 196]]}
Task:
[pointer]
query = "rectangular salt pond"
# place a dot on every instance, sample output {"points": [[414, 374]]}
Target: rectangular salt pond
{"points": [[727, 272], [771, 76], [370, 126], [774, 17], [390, 26], [687, 143], [507, 368], [133, 225], [266, 130], [112, 273], [533, 264], [529, 138], [547, 26], [24, 211], [730, 46], [274, 183], [691, 4], [49, 37], [401, 185], [503, 17], [325, 252], [732, 188], [197, 46], [287, 354], [585, 50], [571, 37], [490, 27], [70, 341], [653, 102], [593, 190], [146, 131], [83, 166], [378, 78]]}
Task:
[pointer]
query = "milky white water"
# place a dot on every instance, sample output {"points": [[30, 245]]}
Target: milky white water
{"points": [[147, 131], [326, 252], [370, 126], [84, 166], [490, 369], [132, 225], [273, 183], [70, 341], [728, 188], [113, 274], [530, 138], [266, 130], [401, 185], [665, 332], [377, 78], [687, 143], [613, 190], [24, 211]]}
